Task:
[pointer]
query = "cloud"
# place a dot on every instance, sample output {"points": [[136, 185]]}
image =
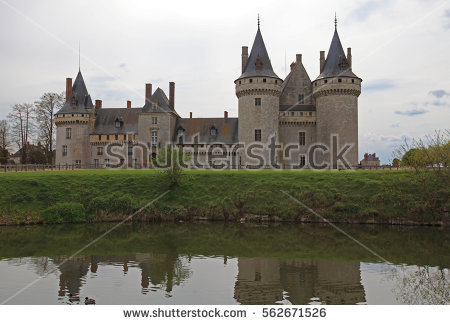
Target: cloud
{"points": [[122, 65], [379, 85], [366, 9], [439, 93], [412, 112], [395, 125], [447, 19]]}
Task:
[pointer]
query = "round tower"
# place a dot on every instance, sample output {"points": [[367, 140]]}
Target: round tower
{"points": [[336, 92], [73, 123], [258, 90]]}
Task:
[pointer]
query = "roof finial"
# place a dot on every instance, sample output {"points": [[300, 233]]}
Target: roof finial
{"points": [[79, 56], [335, 21], [258, 21]]}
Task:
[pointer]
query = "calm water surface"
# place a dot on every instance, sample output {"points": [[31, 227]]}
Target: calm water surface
{"points": [[215, 263]]}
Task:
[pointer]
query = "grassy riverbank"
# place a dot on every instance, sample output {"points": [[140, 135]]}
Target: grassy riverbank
{"points": [[105, 195]]}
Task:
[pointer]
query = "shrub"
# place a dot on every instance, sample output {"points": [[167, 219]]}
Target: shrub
{"points": [[339, 207], [64, 212]]}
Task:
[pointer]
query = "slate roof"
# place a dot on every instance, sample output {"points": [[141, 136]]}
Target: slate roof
{"points": [[82, 98], [336, 64], [226, 130], [258, 63], [105, 121], [162, 103], [296, 108]]}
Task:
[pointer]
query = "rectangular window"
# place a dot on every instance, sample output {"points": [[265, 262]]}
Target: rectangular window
{"points": [[107, 137], [99, 138], [64, 151], [130, 150], [310, 113], [154, 120], [100, 151], [302, 138], [302, 161], [154, 138], [68, 133], [78, 163], [106, 162], [301, 99], [116, 137], [258, 135], [257, 101], [301, 113], [95, 163]]}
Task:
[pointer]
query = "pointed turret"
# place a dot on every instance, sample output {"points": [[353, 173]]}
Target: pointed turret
{"points": [[258, 63], [79, 99], [336, 63], [258, 91], [336, 92]]}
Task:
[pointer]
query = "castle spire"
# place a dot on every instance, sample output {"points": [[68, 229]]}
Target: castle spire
{"points": [[335, 21], [258, 21], [79, 56]]}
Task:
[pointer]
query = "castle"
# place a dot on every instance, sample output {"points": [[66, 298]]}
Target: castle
{"points": [[291, 123]]}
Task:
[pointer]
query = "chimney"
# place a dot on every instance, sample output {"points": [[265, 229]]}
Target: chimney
{"points": [[292, 65], [225, 115], [148, 92], [98, 104], [68, 88], [190, 114], [244, 57], [128, 103], [172, 95], [298, 58], [322, 60], [349, 57]]}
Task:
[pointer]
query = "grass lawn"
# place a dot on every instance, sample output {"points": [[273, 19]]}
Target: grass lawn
{"points": [[100, 195]]}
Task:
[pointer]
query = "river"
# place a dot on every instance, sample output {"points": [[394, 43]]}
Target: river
{"points": [[218, 263]]}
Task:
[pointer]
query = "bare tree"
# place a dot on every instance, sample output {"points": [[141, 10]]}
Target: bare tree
{"points": [[21, 123], [4, 140], [45, 108]]}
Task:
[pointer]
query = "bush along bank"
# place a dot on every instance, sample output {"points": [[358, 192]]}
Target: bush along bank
{"points": [[391, 197]]}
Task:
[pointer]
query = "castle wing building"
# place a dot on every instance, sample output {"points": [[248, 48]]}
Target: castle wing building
{"points": [[296, 113]]}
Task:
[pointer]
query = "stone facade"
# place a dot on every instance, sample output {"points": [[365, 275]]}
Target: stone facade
{"points": [[296, 114]]}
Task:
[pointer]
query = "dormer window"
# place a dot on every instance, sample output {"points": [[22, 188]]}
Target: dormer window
{"points": [[154, 106], [213, 131], [73, 100], [180, 131], [258, 63], [118, 123]]}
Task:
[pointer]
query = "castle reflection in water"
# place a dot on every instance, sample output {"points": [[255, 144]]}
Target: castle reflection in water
{"points": [[258, 280]]}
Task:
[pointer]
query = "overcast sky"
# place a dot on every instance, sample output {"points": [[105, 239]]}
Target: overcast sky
{"points": [[401, 50]]}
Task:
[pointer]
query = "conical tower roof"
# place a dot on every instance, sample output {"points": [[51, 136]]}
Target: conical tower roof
{"points": [[336, 63], [258, 63], [79, 99]]}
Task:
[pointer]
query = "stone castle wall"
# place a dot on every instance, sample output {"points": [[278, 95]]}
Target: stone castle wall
{"points": [[252, 117], [77, 145], [337, 114]]}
